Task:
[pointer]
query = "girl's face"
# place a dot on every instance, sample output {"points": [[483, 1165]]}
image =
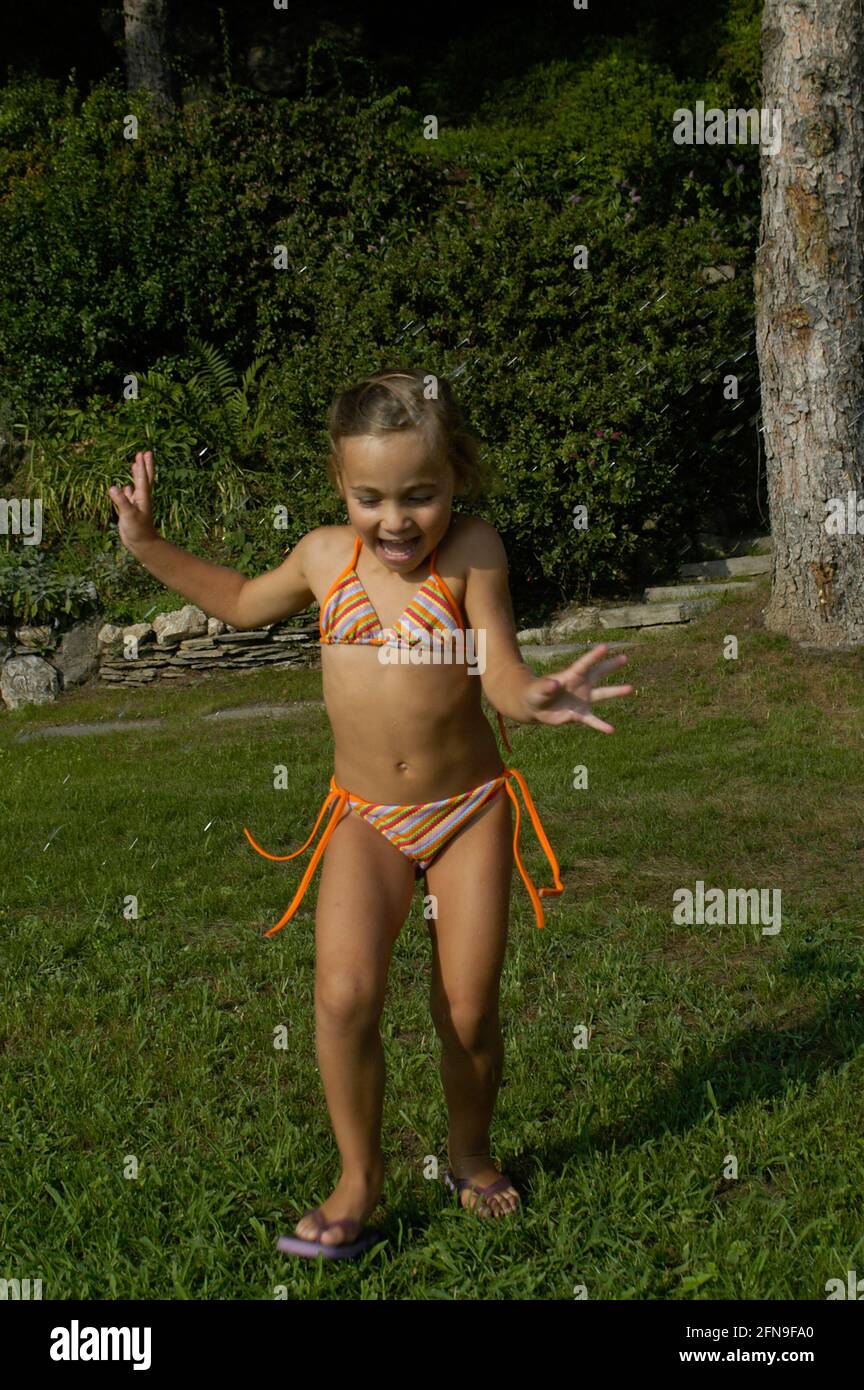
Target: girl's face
{"points": [[393, 493]]}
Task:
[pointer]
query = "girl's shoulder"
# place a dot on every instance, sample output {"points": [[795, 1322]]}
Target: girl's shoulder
{"points": [[476, 540], [324, 547], [470, 543], [476, 528]]}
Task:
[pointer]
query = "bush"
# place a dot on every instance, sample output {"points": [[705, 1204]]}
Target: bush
{"points": [[145, 256]]}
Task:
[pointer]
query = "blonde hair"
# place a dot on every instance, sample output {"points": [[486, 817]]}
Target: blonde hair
{"points": [[396, 400]]}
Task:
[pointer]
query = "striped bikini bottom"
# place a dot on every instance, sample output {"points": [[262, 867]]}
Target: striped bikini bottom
{"points": [[421, 831]]}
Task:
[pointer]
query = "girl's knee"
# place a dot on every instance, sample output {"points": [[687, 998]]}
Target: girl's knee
{"points": [[467, 1025], [348, 1001]]}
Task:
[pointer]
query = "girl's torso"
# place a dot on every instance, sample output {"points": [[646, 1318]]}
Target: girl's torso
{"points": [[403, 732]]}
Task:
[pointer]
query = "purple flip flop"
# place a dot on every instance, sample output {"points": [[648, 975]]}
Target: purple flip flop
{"points": [[296, 1245], [458, 1185]]}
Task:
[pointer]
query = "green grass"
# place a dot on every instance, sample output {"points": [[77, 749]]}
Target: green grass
{"points": [[154, 1037]]}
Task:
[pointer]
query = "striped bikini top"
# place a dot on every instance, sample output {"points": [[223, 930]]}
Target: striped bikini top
{"points": [[347, 616]]}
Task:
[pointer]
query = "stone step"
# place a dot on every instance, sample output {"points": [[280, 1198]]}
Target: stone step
{"points": [[629, 615], [287, 710], [649, 614], [668, 593], [542, 651], [713, 569], [727, 546]]}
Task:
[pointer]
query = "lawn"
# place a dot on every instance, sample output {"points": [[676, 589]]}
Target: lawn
{"points": [[155, 1141]]}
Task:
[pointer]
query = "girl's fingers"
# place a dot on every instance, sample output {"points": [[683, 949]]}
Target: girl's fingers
{"points": [[586, 663], [147, 466], [607, 692], [571, 717], [136, 493], [606, 666], [603, 669], [593, 722], [590, 659]]}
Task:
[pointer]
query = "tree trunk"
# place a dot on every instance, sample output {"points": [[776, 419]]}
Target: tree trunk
{"points": [[810, 317], [147, 64]]}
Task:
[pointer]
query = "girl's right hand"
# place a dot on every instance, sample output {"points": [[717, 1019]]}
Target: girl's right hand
{"points": [[135, 517]]}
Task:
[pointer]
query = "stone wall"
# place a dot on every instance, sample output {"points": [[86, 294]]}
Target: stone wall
{"points": [[37, 663]]}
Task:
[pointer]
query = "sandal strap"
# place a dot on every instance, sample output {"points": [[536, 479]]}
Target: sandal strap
{"points": [[489, 1190], [322, 1225]]}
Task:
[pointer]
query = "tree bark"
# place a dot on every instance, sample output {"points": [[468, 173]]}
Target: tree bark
{"points": [[147, 66], [810, 315]]}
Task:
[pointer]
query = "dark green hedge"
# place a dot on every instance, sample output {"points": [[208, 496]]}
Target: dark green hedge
{"points": [[601, 386]]}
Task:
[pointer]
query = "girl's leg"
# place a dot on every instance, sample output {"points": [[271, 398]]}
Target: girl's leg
{"points": [[364, 894], [471, 879]]}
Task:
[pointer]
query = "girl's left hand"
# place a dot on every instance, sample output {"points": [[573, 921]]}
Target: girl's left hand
{"points": [[568, 695]]}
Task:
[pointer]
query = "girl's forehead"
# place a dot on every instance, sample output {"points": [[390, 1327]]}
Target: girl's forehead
{"points": [[369, 459], [389, 445]]}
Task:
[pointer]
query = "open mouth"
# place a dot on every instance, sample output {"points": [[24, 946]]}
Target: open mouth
{"points": [[401, 551]]}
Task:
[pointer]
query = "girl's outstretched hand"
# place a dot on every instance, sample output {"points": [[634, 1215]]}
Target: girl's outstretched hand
{"points": [[135, 523], [569, 695]]}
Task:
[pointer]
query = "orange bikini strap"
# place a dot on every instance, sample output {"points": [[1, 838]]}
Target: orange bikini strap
{"points": [[445, 588], [351, 565], [547, 848], [340, 796]]}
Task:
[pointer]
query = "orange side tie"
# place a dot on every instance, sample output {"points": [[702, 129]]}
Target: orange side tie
{"points": [[340, 797], [547, 848]]}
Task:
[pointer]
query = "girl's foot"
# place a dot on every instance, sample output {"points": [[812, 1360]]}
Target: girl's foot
{"points": [[353, 1198], [480, 1169]]}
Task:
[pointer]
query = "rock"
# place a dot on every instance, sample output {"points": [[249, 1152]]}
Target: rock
{"points": [[140, 631], [580, 621], [714, 274], [78, 654], [649, 614], [547, 652], [189, 621], [42, 636], [532, 634], [725, 547], [28, 680], [670, 593], [109, 634], [715, 569], [214, 626], [249, 637]]}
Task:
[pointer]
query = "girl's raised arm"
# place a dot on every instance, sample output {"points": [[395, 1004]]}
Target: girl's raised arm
{"points": [[220, 592]]}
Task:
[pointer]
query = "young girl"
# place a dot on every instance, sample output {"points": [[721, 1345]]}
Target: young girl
{"points": [[418, 780]]}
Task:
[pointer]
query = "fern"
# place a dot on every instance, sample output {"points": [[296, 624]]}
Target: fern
{"points": [[217, 371]]}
